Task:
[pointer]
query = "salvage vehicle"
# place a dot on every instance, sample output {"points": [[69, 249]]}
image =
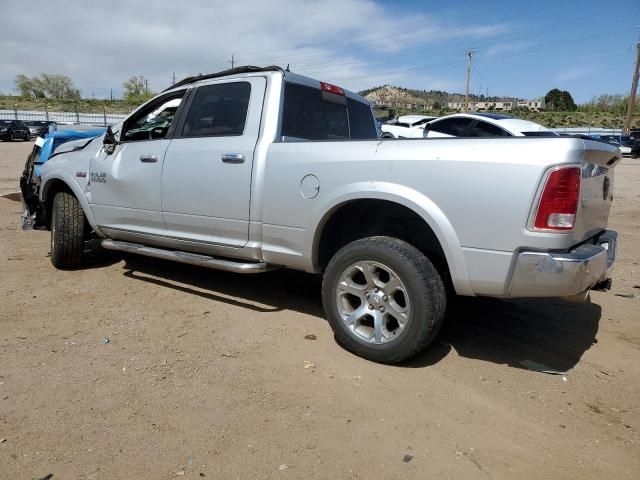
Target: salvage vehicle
{"points": [[39, 128], [484, 125], [11, 130], [261, 168], [405, 126]]}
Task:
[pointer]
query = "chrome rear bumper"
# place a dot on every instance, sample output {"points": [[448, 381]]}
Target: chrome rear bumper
{"points": [[564, 274]]}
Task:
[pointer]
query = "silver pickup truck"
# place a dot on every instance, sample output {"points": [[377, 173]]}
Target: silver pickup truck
{"points": [[259, 168]]}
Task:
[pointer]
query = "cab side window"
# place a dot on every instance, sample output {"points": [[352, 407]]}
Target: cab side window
{"points": [[154, 120], [218, 110]]}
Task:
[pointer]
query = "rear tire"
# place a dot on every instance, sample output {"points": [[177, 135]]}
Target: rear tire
{"points": [[384, 299], [67, 231]]}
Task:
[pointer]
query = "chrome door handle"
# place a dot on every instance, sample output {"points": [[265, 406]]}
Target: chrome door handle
{"points": [[233, 158], [148, 158]]}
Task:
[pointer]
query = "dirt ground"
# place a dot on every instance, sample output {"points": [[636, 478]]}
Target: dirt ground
{"points": [[209, 374]]}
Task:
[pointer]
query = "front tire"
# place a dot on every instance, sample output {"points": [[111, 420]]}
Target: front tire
{"points": [[67, 231], [383, 298]]}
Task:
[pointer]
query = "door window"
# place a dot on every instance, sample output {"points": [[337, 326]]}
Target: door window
{"points": [[485, 129], [154, 120], [218, 110], [456, 126]]}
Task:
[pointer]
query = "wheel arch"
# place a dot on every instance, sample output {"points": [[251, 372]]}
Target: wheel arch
{"points": [[57, 183], [436, 235]]}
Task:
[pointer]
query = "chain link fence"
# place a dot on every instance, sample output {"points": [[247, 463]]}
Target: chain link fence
{"points": [[77, 117]]}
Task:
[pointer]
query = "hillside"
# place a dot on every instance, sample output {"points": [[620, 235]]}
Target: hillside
{"points": [[392, 95], [434, 102]]}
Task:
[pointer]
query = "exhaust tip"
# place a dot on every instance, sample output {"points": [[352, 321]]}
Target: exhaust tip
{"points": [[582, 297]]}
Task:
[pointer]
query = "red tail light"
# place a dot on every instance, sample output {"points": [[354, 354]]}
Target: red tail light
{"points": [[559, 200], [327, 87]]}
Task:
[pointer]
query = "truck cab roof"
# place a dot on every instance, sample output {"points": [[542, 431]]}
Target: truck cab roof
{"points": [[243, 71]]}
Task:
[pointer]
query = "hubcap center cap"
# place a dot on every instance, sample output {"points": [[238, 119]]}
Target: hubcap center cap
{"points": [[376, 299]]}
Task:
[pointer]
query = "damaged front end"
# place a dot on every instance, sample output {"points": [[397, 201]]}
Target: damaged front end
{"points": [[35, 212]]}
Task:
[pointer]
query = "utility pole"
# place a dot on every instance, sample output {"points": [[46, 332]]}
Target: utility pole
{"points": [[632, 96], [232, 61], [468, 54], [146, 86], [173, 79], [111, 94]]}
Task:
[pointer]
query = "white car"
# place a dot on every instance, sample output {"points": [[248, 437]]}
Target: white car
{"points": [[484, 125], [405, 126]]}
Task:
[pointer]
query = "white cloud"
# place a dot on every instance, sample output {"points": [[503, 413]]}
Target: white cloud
{"points": [[573, 73], [500, 49], [99, 45]]}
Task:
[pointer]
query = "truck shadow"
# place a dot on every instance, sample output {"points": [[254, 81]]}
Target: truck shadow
{"points": [[534, 334], [273, 291], [549, 333]]}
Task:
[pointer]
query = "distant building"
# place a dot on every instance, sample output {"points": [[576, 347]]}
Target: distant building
{"points": [[403, 105], [502, 106]]}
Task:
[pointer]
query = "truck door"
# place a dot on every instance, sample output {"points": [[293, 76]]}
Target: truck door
{"points": [[206, 180], [124, 187]]}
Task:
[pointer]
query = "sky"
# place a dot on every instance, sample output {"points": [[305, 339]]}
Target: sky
{"points": [[521, 49]]}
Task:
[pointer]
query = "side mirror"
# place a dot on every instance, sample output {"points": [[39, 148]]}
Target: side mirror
{"points": [[109, 143]]}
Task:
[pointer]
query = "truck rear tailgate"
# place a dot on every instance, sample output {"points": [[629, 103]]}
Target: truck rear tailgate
{"points": [[596, 191]]}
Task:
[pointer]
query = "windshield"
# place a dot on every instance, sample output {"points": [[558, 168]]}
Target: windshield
{"points": [[5, 123]]}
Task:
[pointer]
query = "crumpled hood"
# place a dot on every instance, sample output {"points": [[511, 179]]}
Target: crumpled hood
{"points": [[65, 141]]}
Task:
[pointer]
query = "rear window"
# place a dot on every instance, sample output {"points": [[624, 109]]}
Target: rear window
{"points": [[310, 114], [361, 122]]}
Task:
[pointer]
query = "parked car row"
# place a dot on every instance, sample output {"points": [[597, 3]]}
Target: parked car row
{"points": [[405, 126], [630, 147], [25, 130], [463, 125], [486, 125]]}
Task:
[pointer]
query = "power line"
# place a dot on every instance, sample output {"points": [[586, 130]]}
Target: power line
{"points": [[399, 58], [400, 31], [396, 72]]}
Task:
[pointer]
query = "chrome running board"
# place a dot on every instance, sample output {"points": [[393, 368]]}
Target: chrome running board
{"points": [[186, 257]]}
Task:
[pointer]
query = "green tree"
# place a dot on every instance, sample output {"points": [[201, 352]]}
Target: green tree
{"points": [[553, 100], [47, 85], [567, 102], [29, 87], [136, 90], [559, 101]]}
